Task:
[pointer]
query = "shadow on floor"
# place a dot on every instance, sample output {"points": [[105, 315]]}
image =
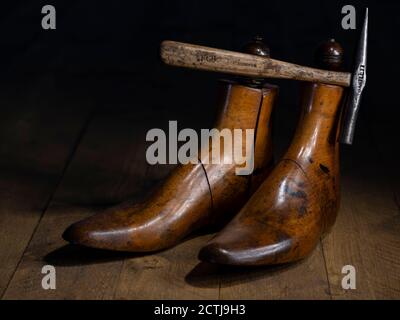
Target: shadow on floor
{"points": [[207, 275], [74, 255]]}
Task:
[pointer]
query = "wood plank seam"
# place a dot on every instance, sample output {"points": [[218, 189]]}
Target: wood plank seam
{"points": [[50, 198], [326, 269]]}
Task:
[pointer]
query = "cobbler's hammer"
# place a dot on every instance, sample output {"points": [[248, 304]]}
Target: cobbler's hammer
{"points": [[210, 59]]}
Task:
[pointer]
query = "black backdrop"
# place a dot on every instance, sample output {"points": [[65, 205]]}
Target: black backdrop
{"points": [[108, 38]]}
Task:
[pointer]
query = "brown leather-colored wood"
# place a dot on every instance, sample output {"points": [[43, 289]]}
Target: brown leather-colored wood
{"points": [[194, 195], [298, 202], [248, 108]]}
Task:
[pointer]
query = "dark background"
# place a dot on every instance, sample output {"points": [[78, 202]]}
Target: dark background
{"points": [[76, 102], [107, 52]]}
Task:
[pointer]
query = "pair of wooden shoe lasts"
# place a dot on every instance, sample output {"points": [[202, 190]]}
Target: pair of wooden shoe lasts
{"points": [[275, 215]]}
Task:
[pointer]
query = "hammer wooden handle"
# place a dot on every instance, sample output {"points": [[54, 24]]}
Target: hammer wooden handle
{"points": [[204, 58]]}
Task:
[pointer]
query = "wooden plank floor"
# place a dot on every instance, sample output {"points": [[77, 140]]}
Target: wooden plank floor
{"points": [[81, 161]]}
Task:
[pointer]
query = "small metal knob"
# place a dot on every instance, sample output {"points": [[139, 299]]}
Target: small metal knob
{"points": [[257, 47], [329, 55]]}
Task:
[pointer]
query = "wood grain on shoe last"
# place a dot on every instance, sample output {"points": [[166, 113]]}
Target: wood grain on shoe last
{"points": [[243, 107], [194, 195], [298, 202]]}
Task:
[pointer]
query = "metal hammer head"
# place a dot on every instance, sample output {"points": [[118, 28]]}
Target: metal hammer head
{"points": [[358, 81]]}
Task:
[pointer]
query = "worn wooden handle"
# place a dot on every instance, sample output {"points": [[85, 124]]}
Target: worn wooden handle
{"points": [[204, 58]]}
